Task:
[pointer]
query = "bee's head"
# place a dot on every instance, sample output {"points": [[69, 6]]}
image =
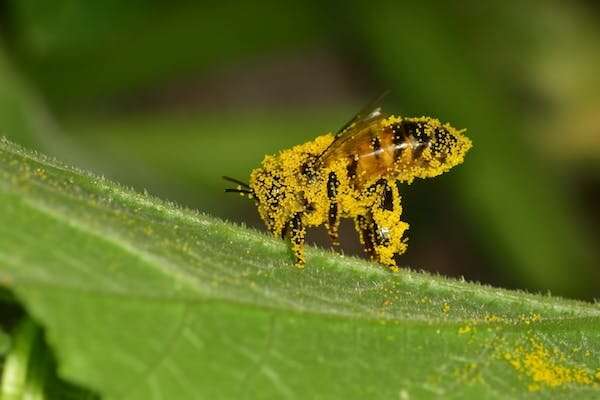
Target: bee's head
{"points": [[266, 190], [269, 191], [437, 147]]}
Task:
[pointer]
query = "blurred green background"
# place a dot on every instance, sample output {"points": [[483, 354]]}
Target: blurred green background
{"points": [[168, 96]]}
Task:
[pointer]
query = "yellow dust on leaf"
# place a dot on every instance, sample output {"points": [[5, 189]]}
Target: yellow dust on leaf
{"points": [[494, 318], [464, 329], [529, 319], [546, 368]]}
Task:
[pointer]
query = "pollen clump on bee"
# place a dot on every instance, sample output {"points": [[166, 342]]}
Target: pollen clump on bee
{"points": [[356, 174]]}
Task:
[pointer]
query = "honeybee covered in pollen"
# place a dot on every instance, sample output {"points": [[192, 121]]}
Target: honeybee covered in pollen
{"points": [[356, 173]]}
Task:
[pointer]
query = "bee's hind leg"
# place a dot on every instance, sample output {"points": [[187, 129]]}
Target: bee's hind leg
{"points": [[387, 227], [333, 218], [376, 240]]}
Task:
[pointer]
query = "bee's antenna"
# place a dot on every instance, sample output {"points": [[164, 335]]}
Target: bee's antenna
{"points": [[238, 191], [236, 181]]}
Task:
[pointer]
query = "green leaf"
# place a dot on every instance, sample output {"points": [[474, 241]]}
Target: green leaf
{"points": [[141, 299]]}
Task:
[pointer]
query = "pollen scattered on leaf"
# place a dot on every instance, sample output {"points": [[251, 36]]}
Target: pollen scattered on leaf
{"points": [[493, 318], [40, 173], [547, 368], [529, 319], [445, 308], [467, 373], [465, 329]]}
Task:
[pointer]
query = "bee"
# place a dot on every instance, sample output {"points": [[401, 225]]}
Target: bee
{"points": [[355, 173]]}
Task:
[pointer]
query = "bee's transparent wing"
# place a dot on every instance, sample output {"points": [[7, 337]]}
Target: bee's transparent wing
{"points": [[367, 115], [369, 112]]}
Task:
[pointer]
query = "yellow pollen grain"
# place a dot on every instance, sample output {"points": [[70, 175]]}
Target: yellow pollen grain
{"points": [[493, 318], [464, 329], [545, 368], [529, 319]]}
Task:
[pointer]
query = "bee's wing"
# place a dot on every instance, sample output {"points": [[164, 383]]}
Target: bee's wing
{"points": [[370, 111], [352, 129]]}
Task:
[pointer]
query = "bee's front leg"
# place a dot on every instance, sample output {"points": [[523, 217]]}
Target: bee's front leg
{"points": [[333, 219], [297, 233]]}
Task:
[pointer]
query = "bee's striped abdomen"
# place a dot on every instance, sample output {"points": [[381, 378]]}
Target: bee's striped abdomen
{"points": [[412, 137], [386, 149], [399, 140], [400, 148]]}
